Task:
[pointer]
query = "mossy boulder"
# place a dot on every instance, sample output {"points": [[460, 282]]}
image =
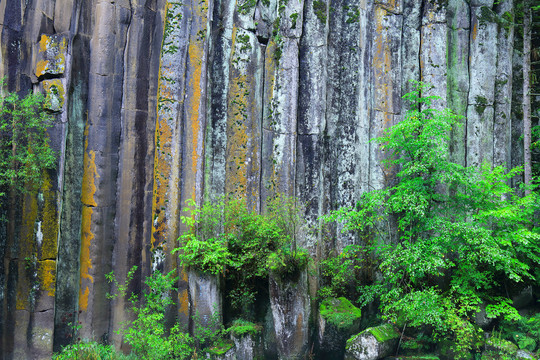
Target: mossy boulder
{"points": [[338, 320], [499, 349], [372, 343], [341, 313]]}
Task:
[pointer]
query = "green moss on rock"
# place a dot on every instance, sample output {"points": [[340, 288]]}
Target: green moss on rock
{"points": [[242, 327], [220, 348], [384, 332], [340, 312]]}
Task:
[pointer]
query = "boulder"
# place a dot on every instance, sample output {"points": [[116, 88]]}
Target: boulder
{"points": [[338, 320], [498, 348], [372, 343]]}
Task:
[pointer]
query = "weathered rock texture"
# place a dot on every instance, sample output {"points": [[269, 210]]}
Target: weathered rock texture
{"points": [[158, 102]]}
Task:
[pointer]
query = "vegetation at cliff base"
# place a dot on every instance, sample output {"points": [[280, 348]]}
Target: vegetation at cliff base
{"points": [[465, 238]]}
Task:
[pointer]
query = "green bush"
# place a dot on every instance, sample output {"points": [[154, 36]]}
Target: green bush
{"points": [[463, 235], [241, 327], [24, 144], [242, 246], [90, 351]]}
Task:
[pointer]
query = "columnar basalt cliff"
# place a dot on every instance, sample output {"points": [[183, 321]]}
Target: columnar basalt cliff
{"points": [[158, 102]]}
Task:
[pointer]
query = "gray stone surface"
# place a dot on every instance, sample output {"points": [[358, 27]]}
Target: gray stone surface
{"points": [[372, 343]]}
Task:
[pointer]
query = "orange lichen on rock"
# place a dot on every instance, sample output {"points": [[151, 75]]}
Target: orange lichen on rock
{"points": [[49, 225], [89, 177], [86, 239], [47, 276], [83, 298], [382, 63], [195, 53]]}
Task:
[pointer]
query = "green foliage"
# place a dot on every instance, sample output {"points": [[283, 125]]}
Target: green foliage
{"points": [[524, 332], [209, 333], [462, 233], [24, 144], [241, 327], [227, 239], [342, 273], [90, 351], [287, 264], [148, 334]]}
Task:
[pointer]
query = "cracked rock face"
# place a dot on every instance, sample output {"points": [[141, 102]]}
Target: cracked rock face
{"points": [[158, 102]]}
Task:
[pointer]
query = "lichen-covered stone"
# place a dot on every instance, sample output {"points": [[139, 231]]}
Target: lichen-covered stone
{"points": [[51, 55], [372, 343], [496, 347], [55, 94]]}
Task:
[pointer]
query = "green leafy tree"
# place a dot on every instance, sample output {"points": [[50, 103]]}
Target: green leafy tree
{"points": [[464, 235], [24, 143]]}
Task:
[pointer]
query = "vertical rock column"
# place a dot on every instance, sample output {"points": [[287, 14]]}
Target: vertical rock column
{"points": [[37, 245], [433, 50], [502, 129], [345, 84], [458, 32], [387, 76], [243, 152], [291, 307], [218, 83], [482, 65], [101, 156], [310, 187], [69, 233], [168, 146], [281, 101], [134, 204], [204, 290]]}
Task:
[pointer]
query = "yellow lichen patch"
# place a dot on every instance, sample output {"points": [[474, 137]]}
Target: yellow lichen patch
{"points": [[83, 298], [237, 138], [86, 240], [47, 276], [474, 30], [183, 303], [44, 42], [49, 225], [382, 64], [89, 177], [162, 170], [195, 53], [55, 94], [41, 67], [29, 217], [270, 69]]}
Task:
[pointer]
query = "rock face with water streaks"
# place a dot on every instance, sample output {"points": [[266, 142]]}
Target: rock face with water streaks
{"points": [[158, 102]]}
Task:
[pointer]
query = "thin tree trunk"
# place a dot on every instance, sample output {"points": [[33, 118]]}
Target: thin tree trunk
{"points": [[526, 94]]}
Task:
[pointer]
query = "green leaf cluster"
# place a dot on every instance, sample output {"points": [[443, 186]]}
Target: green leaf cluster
{"points": [[225, 238], [463, 234], [24, 143]]}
